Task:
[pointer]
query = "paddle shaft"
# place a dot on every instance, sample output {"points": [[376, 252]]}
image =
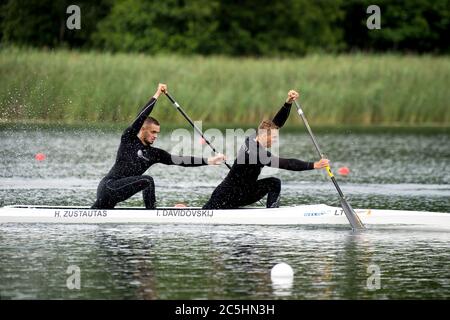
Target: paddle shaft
{"points": [[316, 145], [180, 109], [354, 220]]}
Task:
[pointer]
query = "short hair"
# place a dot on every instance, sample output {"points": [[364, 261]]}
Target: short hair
{"points": [[149, 121], [267, 126]]}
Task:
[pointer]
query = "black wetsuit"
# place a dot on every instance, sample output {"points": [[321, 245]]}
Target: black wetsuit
{"points": [[241, 186], [133, 159]]}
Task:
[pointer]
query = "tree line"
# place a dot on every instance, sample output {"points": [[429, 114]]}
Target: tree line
{"points": [[232, 27]]}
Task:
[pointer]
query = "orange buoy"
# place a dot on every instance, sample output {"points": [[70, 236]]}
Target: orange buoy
{"points": [[180, 205], [40, 156], [343, 171]]}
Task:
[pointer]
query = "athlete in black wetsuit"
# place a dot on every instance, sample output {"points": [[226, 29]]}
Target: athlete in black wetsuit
{"points": [[135, 156], [241, 186]]}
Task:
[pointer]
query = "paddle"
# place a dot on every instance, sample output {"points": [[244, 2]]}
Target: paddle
{"points": [[348, 210], [179, 108]]}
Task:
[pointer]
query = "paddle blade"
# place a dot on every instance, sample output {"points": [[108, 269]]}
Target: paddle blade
{"points": [[351, 215]]}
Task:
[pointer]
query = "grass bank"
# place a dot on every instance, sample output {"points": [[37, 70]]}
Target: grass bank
{"points": [[73, 87]]}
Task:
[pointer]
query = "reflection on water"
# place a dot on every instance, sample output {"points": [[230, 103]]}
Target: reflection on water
{"points": [[214, 262], [406, 171]]}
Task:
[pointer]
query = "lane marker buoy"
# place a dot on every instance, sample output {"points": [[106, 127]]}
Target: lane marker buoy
{"points": [[343, 171], [40, 156], [180, 205]]}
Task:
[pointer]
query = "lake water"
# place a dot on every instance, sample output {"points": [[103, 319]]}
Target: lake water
{"points": [[388, 169]]}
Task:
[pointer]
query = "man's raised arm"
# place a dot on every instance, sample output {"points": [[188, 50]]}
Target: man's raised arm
{"points": [[145, 112], [282, 115]]}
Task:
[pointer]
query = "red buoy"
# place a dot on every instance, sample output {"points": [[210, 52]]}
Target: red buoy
{"points": [[202, 141], [180, 205], [40, 156], [343, 171]]}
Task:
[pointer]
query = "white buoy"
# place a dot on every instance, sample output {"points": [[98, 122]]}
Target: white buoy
{"points": [[281, 271], [282, 277]]}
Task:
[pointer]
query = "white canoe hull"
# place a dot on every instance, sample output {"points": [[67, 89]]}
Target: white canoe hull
{"points": [[297, 215]]}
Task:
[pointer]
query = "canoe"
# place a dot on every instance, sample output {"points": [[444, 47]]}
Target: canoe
{"points": [[319, 214]]}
